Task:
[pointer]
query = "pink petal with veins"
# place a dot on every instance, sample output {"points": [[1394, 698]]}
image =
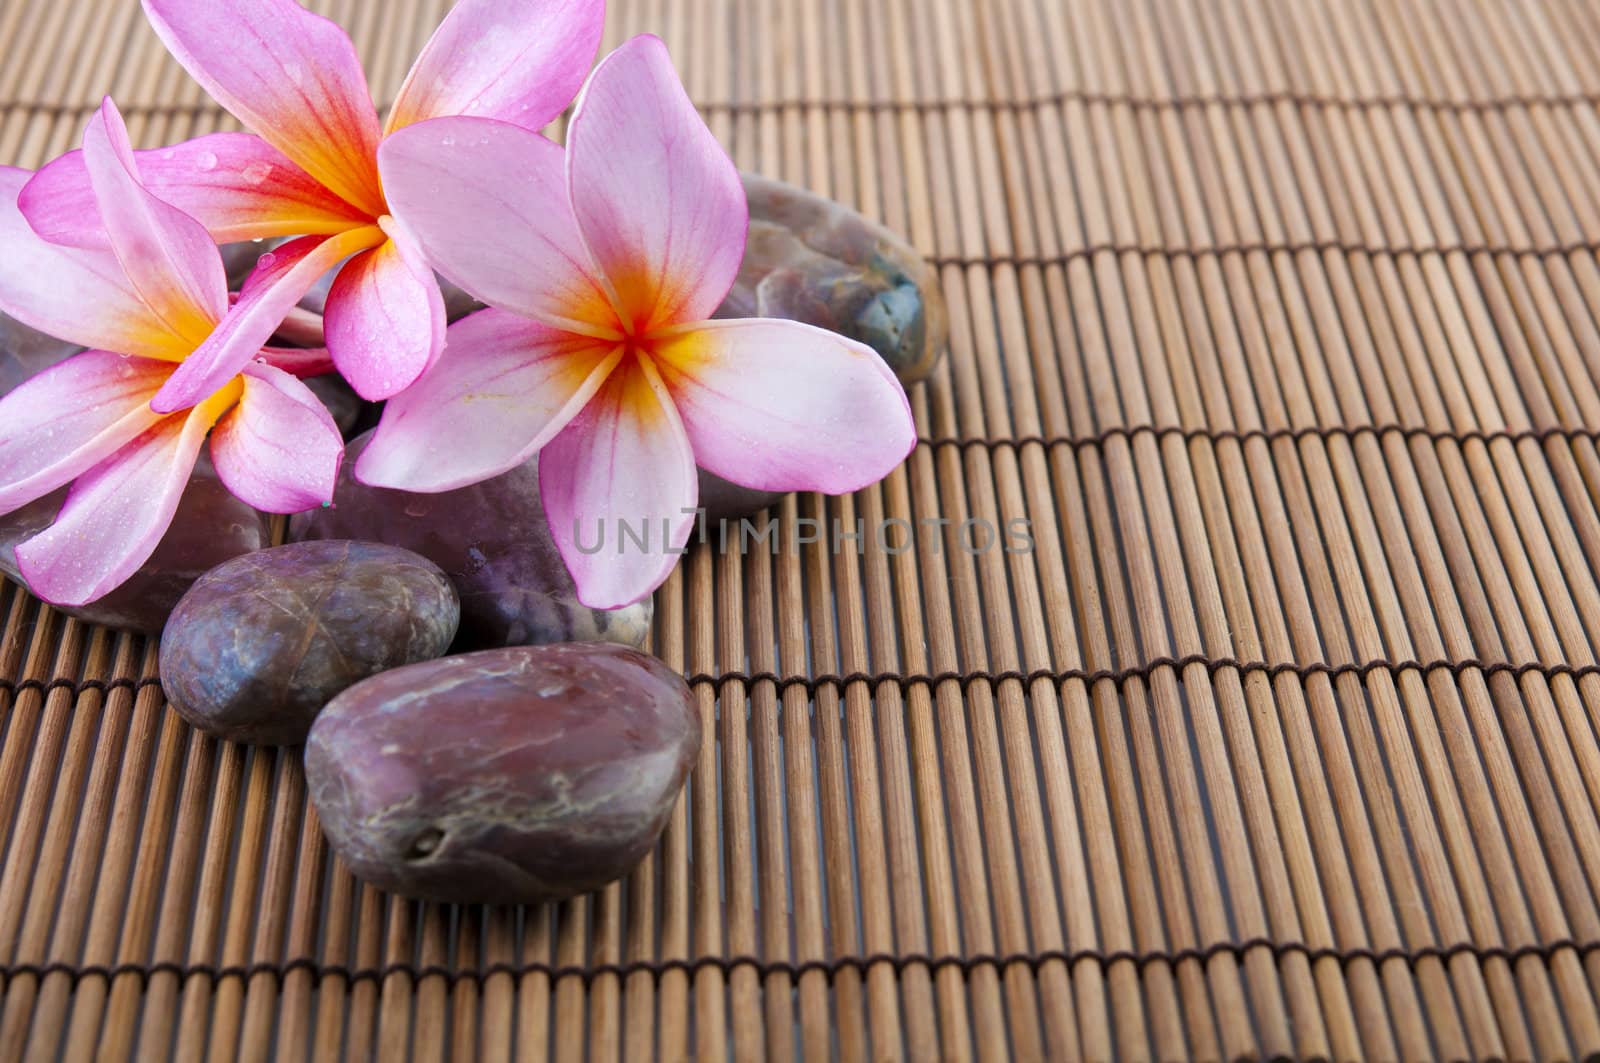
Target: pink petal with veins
{"points": [[623, 465], [277, 448], [657, 199], [519, 61]]}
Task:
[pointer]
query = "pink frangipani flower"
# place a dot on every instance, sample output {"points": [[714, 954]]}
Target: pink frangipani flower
{"points": [[143, 303], [601, 265], [294, 78]]}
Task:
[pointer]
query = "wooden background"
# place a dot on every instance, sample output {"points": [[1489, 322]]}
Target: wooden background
{"points": [[1278, 319]]}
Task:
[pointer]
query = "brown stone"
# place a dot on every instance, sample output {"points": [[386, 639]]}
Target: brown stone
{"points": [[510, 776], [492, 539], [813, 260], [211, 526], [260, 644]]}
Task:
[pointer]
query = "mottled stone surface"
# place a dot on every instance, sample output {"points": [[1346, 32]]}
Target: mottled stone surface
{"points": [[24, 352], [260, 644], [509, 776], [493, 541], [813, 260], [210, 527]]}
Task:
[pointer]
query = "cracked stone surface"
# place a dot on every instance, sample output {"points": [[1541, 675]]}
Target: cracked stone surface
{"points": [[509, 776], [260, 644]]}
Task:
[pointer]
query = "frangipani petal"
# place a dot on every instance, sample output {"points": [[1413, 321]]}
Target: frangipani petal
{"points": [[504, 387], [77, 294], [658, 201], [287, 74], [115, 513], [384, 321], [519, 61], [235, 184], [280, 279], [299, 362], [167, 255], [782, 406], [278, 448], [488, 201], [69, 418], [620, 474]]}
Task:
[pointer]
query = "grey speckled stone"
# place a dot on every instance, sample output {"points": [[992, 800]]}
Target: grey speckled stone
{"points": [[492, 539], [25, 352], [729, 501], [210, 527], [240, 259], [260, 644], [348, 409], [813, 260], [509, 776]]}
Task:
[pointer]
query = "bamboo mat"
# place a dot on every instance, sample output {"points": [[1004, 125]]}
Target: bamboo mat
{"points": [[1278, 319]]}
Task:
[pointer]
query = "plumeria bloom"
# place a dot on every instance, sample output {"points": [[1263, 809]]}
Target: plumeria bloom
{"points": [[601, 265], [294, 78], [143, 303]]}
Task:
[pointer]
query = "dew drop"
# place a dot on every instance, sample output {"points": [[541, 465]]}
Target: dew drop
{"points": [[266, 260], [205, 161], [256, 172], [448, 141]]}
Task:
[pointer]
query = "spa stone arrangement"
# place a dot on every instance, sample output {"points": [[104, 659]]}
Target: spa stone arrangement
{"points": [[473, 732]]}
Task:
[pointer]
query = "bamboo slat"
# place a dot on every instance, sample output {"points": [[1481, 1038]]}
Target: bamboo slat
{"points": [[1279, 322]]}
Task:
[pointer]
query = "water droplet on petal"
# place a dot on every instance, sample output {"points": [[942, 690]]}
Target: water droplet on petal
{"points": [[205, 161], [448, 141], [266, 260], [256, 172]]}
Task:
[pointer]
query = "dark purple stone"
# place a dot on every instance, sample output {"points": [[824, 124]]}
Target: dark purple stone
{"points": [[210, 527], [260, 644], [493, 541], [510, 776]]}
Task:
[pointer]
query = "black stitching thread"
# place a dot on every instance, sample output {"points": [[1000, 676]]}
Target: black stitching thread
{"points": [[78, 686], [813, 683], [1212, 665], [830, 968], [1272, 435], [1345, 247], [1029, 103]]}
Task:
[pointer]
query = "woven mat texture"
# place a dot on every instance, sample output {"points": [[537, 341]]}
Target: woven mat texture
{"points": [[1279, 320]]}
